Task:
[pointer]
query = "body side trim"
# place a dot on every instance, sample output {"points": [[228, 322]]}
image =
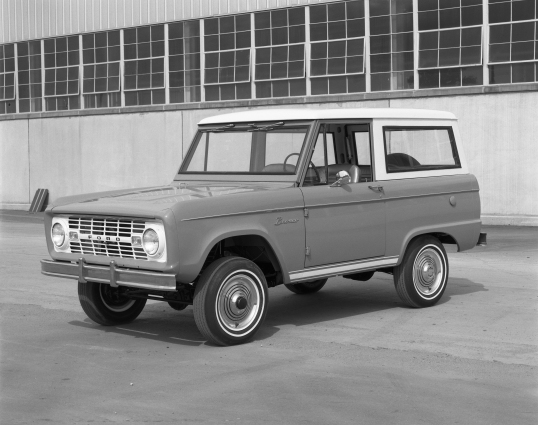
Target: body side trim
{"points": [[298, 207], [342, 268]]}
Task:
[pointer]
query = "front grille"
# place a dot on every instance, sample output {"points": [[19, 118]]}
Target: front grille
{"points": [[110, 237]]}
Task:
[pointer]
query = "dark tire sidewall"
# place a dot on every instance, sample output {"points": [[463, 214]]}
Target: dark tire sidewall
{"points": [[90, 299]]}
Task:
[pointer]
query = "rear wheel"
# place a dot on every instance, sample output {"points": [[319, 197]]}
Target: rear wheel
{"points": [[307, 287], [422, 276], [230, 301], [107, 305]]}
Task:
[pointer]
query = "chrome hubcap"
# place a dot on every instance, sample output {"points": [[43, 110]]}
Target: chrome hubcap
{"points": [[428, 271], [238, 302]]}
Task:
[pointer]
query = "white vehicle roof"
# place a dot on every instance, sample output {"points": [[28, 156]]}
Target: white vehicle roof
{"points": [[259, 115]]}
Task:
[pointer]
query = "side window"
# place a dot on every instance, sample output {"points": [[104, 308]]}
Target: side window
{"points": [[420, 149], [318, 157], [364, 158], [362, 143]]}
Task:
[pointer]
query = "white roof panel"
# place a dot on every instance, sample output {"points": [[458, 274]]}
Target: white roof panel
{"points": [[259, 115]]}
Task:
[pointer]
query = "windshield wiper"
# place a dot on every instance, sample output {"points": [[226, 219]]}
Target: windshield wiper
{"points": [[267, 127], [217, 129]]}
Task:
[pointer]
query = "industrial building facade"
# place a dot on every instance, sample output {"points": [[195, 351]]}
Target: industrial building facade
{"points": [[83, 80]]}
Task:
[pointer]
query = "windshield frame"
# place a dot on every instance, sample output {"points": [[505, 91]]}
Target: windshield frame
{"points": [[246, 176]]}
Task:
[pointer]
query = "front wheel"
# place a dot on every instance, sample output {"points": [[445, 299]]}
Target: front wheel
{"points": [[230, 301], [108, 306], [422, 276], [307, 287]]}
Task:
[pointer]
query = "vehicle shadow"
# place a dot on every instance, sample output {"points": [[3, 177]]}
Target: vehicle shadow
{"points": [[159, 322], [339, 299]]}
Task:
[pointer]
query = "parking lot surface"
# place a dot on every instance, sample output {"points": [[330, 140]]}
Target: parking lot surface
{"points": [[352, 353]]}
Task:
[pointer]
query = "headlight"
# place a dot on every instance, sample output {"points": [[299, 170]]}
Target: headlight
{"points": [[150, 241], [58, 234]]}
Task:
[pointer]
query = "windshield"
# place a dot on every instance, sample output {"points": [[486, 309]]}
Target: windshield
{"points": [[249, 149]]}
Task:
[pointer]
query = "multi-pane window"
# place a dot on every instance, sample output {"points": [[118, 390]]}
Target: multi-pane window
{"points": [[513, 45], [61, 73], [227, 58], [450, 42], [184, 61], [337, 48], [29, 76], [391, 44], [280, 53], [101, 74], [7, 79], [144, 65]]}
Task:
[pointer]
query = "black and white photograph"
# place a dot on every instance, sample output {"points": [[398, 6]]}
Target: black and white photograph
{"points": [[269, 212]]}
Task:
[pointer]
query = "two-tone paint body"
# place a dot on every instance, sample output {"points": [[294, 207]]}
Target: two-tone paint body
{"points": [[315, 231]]}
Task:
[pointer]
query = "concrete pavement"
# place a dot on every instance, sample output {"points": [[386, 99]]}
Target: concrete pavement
{"points": [[353, 353]]}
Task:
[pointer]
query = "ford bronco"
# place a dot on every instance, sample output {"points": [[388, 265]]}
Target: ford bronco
{"points": [[274, 197]]}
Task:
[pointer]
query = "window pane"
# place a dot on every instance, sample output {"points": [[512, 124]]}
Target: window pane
{"points": [[471, 36], [428, 21], [523, 73], [499, 12], [409, 149], [428, 40], [499, 52], [449, 57], [471, 76], [428, 79], [450, 77], [449, 38], [499, 74], [449, 18], [471, 55], [471, 16]]}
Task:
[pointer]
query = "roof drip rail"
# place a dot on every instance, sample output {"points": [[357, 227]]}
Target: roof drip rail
{"points": [[267, 127], [217, 129]]}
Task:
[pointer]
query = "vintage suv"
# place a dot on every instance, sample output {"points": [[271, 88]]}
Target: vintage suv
{"points": [[271, 197]]}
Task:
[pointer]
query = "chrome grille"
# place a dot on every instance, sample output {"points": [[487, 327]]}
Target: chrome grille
{"points": [[114, 237]]}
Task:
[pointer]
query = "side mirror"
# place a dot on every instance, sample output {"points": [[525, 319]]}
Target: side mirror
{"points": [[342, 178]]}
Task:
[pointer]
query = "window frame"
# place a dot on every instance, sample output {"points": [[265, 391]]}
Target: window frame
{"points": [[56, 67], [378, 148], [243, 126], [191, 93], [151, 89]]}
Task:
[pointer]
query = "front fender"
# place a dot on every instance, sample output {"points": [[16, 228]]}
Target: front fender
{"points": [[203, 234]]}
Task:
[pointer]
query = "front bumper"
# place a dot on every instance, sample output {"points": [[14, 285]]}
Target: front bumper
{"points": [[112, 275]]}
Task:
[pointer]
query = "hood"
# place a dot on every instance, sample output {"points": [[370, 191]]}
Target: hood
{"points": [[153, 199]]}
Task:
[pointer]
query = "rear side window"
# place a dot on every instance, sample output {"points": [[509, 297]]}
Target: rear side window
{"points": [[420, 149]]}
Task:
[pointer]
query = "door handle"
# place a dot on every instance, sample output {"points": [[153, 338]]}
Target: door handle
{"points": [[376, 188]]}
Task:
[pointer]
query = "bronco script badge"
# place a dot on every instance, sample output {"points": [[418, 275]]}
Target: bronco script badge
{"points": [[280, 221]]}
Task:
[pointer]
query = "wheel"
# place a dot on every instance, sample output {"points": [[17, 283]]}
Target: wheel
{"points": [[307, 287], [107, 305], [230, 301], [421, 278], [178, 306]]}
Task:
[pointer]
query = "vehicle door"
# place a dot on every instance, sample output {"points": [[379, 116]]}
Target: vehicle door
{"points": [[343, 223]]}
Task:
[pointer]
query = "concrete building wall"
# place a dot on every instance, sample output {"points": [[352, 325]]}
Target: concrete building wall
{"points": [[76, 154], [14, 164]]}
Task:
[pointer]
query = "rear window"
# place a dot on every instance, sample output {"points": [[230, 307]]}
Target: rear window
{"points": [[420, 149]]}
